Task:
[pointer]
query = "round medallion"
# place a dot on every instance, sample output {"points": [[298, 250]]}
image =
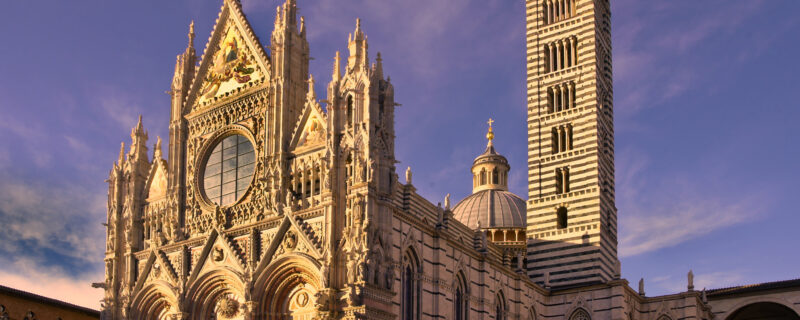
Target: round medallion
{"points": [[229, 170], [302, 299]]}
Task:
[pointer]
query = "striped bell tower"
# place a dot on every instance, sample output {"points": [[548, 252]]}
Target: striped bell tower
{"points": [[572, 217]]}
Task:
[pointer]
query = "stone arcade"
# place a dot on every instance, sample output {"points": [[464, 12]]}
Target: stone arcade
{"points": [[270, 206]]}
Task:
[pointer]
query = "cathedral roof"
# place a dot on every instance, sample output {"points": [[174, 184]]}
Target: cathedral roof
{"points": [[491, 209]]}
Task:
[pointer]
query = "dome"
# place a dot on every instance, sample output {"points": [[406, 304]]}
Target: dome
{"points": [[491, 209]]}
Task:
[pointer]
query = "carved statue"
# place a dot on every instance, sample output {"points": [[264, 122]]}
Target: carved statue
{"points": [[351, 270], [325, 270], [447, 202], [389, 277], [641, 287], [408, 175], [289, 199], [220, 217], [691, 280]]}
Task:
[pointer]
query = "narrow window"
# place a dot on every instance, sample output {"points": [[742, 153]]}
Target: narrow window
{"points": [[561, 217], [483, 176], [350, 111], [559, 180], [566, 180], [495, 177], [408, 294], [554, 143]]}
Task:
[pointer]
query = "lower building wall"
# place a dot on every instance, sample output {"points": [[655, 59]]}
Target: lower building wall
{"points": [[22, 305]]}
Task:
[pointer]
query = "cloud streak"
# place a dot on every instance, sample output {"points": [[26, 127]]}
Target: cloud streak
{"points": [[663, 211]]}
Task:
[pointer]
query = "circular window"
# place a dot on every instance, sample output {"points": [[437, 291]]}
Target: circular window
{"points": [[228, 170]]}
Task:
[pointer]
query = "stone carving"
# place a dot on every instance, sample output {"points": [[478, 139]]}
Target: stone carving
{"points": [[227, 307], [408, 175], [291, 240], [218, 254]]}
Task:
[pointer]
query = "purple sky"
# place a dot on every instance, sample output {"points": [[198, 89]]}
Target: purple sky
{"points": [[706, 108]]}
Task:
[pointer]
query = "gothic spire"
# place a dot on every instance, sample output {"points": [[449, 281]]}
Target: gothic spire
{"points": [[121, 159], [358, 48], [138, 142]]}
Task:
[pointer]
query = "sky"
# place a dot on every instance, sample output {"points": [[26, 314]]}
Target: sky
{"points": [[705, 107]]}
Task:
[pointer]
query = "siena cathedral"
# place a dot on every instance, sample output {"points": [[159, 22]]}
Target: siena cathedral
{"points": [[275, 204]]}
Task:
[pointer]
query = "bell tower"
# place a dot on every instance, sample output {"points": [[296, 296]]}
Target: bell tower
{"points": [[572, 217]]}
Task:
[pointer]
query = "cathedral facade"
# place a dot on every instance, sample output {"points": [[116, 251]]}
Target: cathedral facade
{"points": [[274, 204]]}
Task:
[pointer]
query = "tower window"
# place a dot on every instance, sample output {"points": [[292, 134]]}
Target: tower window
{"points": [[495, 176], [561, 54], [557, 10], [561, 138], [562, 180], [561, 218], [561, 97], [483, 177]]}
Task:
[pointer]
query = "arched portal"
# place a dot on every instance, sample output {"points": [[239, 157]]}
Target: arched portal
{"points": [[153, 302], [764, 311], [288, 289], [217, 295]]}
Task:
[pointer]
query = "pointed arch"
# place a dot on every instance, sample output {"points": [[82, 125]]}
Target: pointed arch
{"points": [[216, 292], [288, 285], [580, 314], [410, 288], [155, 301], [460, 296], [500, 308]]}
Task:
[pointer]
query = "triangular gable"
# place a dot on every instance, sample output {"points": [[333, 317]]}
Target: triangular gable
{"points": [[217, 253], [234, 58], [157, 268], [156, 185], [312, 129], [290, 238]]}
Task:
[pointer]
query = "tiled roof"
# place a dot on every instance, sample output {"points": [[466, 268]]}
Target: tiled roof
{"points": [[46, 300], [754, 287]]}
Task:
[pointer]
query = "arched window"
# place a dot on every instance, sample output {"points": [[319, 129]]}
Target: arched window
{"points": [[410, 286], [580, 314], [500, 307], [483, 176], [349, 110], [461, 298], [495, 177], [561, 217]]}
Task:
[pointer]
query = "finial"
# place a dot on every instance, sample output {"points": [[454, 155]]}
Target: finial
{"points": [[121, 153], [302, 25], [337, 72], [191, 33], [490, 134], [358, 24], [157, 149]]}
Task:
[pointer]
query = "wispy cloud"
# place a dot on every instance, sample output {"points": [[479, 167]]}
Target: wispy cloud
{"points": [[53, 224], [659, 61], [663, 211], [708, 280]]}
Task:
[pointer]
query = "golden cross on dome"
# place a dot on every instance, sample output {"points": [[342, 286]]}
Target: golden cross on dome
{"points": [[490, 134]]}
